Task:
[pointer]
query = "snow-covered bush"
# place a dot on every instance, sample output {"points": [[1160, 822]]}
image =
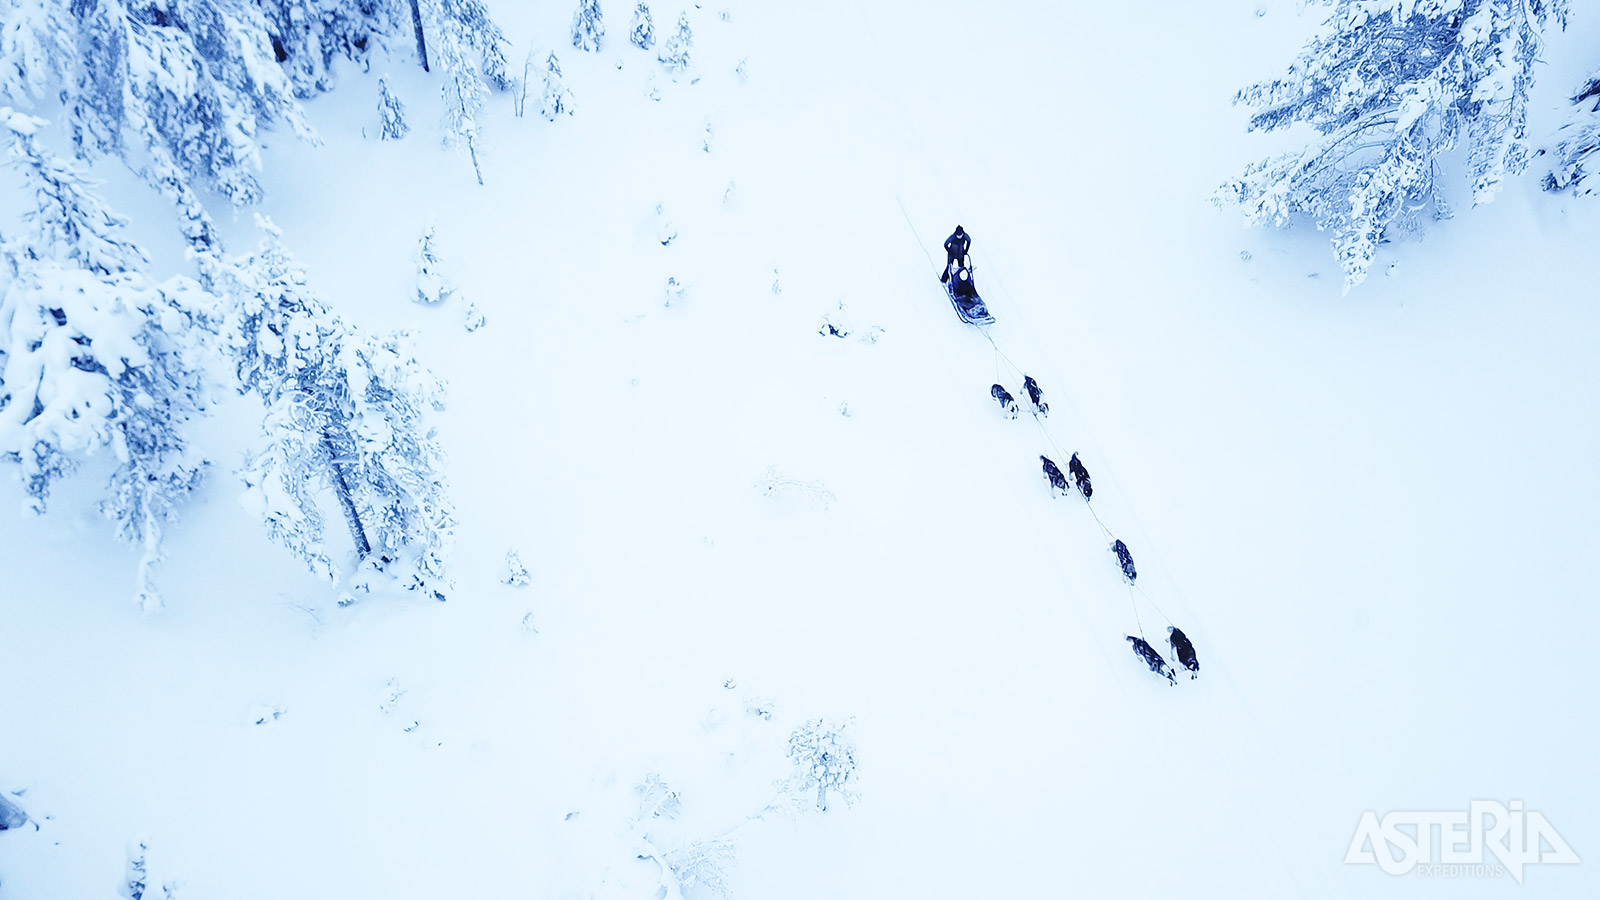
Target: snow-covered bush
{"points": [[702, 867], [1578, 141], [433, 287], [774, 482], [392, 113], [556, 98], [642, 33], [588, 26], [674, 52], [94, 353], [657, 799], [666, 232], [824, 755], [345, 415], [517, 574], [1391, 86]]}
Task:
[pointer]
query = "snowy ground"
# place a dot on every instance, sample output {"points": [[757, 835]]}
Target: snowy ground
{"points": [[1373, 513]]}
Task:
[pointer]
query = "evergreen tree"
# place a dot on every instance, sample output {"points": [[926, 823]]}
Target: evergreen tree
{"points": [[479, 38], [432, 287], [1578, 142], [195, 86], [393, 113], [344, 415], [643, 31], [556, 99], [306, 36], [588, 27], [1392, 86], [463, 88], [181, 89], [674, 52], [94, 354]]}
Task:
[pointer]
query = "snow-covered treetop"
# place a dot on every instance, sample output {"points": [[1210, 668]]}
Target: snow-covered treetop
{"points": [[1578, 141], [1392, 85], [588, 26]]}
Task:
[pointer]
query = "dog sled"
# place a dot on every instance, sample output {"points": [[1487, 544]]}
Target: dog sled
{"points": [[963, 293]]}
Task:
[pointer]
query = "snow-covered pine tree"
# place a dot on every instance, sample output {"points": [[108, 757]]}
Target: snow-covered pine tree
{"points": [[479, 34], [642, 33], [392, 111], [1577, 142], [345, 414], [432, 287], [94, 354], [194, 84], [556, 98], [588, 26], [463, 89], [674, 52], [37, 42], [1391, 86], [306, 36]]}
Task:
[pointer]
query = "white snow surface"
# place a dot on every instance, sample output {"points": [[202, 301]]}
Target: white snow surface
{"points": [[1373, 514]]}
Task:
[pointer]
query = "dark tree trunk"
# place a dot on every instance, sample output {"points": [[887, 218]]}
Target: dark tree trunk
{"points": [[422, 42], [341, 486]]}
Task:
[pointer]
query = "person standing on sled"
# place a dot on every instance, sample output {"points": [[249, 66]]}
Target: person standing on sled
{"points": [[955, 249]]}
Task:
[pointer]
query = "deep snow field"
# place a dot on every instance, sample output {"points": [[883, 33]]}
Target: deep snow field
{"points": [[1373, 513]]}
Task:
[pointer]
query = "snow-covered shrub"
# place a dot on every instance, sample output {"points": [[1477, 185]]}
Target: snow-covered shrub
{"points": [[135, 875], [674, 52], [642, 33], [675, 291], [1391, 87], [516, 572], [433, 287], [392, 112], [472, 318], [666, 232], [345, 415], [588, 26], [93, 354], [1578, 141], [702, 867], [775, 482], [835, 323], [657, 799], [556, 98], [824, 755]]}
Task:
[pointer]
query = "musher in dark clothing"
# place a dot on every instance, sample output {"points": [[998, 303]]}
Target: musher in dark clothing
{"points": [[955, 249]]}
